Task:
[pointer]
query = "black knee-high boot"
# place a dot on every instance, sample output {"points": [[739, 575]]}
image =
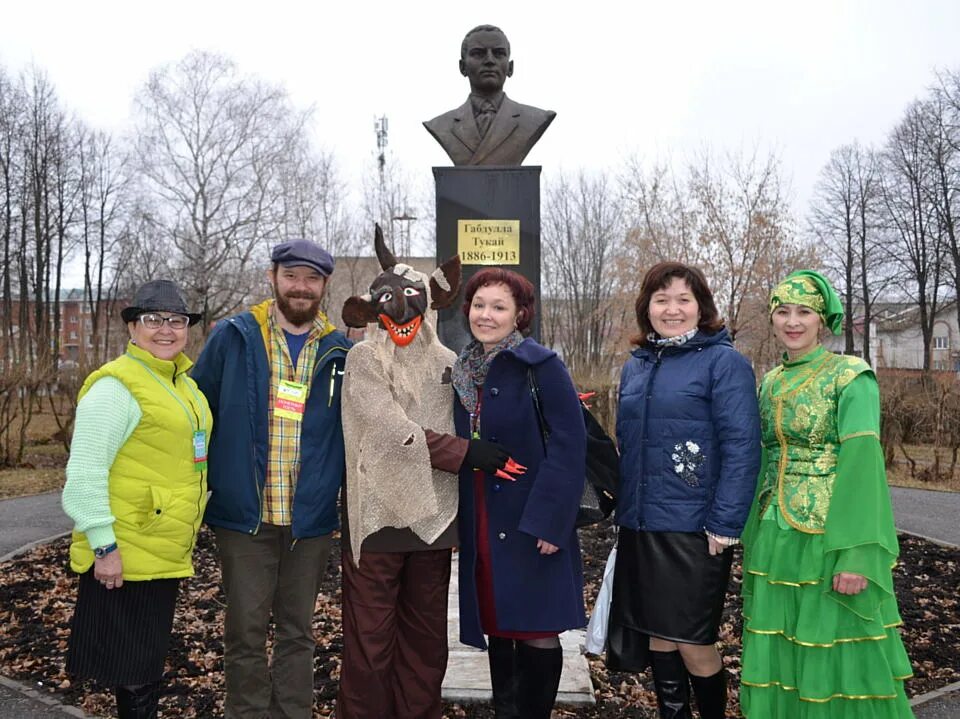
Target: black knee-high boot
{"points": [[539, 671], [138, 702], [671, 684], [503, 676], [711, 694]]}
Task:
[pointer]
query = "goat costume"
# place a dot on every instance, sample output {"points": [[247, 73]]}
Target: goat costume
{"points": [[401, 494]]}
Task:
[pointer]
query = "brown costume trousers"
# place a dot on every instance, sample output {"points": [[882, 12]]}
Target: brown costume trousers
{"points": [[394, 634]]}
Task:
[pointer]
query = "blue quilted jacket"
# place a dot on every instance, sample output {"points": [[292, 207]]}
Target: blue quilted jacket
{"points": [[689, 433]]}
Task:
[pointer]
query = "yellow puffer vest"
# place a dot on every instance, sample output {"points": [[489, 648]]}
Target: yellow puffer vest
{"points": [[156, 494]]}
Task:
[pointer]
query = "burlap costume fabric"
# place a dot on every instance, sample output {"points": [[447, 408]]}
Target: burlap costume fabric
{"points": [[390, 394]]}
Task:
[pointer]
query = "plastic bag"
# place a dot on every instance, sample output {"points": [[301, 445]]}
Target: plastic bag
{"points": [[597, 628]]}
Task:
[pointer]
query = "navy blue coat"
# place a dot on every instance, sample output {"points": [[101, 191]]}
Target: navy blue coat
{"points": [[702, 392], [533, 592], [234, 373]]}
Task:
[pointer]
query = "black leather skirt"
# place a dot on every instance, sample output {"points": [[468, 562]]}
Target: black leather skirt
{"points": [[666, 585]]}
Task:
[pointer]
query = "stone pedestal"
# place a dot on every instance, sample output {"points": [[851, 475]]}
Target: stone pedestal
{"points": [[495, 197]]}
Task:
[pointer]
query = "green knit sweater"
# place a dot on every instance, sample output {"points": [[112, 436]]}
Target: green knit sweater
{"points": [[106, 417]]}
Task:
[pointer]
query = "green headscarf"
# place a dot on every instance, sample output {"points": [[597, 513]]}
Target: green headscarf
{"points": [[813, 290]]}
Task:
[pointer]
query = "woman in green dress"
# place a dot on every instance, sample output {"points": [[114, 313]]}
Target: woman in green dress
{"points": [[820, 635]]}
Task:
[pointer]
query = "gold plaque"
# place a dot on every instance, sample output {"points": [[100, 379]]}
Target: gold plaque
{"points": [[488, 242]]}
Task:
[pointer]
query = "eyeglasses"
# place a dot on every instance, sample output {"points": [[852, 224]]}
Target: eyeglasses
{"points": [[154, 321]]}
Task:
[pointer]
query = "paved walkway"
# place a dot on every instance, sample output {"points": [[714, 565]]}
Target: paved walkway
{"points": [[31, 520], [927, 514], [28, 520]]}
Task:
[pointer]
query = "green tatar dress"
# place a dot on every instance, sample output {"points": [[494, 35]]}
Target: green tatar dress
{"points": [[822, 507]]}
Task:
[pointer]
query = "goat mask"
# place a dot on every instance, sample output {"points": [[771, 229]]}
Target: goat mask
{"points": [[400, 296]]}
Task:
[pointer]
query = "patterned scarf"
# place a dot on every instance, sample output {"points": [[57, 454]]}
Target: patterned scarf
{"points": [[470, 369], [658, 341]]}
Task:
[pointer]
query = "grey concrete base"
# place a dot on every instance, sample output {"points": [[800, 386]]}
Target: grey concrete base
{"points": [[19, 701], [468, 673]]}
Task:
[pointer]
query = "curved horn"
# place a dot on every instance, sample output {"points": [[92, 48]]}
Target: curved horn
{"points": [[387, 260], [445, 283]]}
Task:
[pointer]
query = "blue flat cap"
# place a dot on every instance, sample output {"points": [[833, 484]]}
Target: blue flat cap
{"points": [[303, 253]]}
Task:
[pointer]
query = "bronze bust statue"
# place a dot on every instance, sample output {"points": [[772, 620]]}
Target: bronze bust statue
{"points": [[489, 128]]}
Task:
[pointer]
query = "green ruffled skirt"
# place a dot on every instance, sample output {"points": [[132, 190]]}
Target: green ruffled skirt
{"points": [[809, 652]]}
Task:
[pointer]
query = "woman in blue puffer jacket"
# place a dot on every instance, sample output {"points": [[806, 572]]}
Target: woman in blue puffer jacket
{"points": [[689, 435]]}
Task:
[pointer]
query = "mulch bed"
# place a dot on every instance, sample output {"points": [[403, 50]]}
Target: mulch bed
{"points": [[36, 602]]}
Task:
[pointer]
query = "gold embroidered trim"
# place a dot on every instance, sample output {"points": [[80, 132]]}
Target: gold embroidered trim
{"points": [[804, 378], [777, 581], [845, 640], [865, 433], [788, 688], [782, 469]]}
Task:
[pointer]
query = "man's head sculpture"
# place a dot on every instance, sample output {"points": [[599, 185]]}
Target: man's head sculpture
{"points": [[400, 295]]}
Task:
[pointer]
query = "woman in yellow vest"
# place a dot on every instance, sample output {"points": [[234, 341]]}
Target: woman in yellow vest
{"points": [[136, 489], [820, 618]]}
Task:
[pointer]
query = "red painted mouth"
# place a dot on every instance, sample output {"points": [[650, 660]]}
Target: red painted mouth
{"points": [[402, 335]]}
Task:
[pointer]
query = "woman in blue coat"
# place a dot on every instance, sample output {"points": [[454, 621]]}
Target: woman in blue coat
{"points": [[689, 434], [521, 577]]}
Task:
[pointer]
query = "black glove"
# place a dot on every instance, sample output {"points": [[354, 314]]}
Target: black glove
{"points": [[487, 456]]}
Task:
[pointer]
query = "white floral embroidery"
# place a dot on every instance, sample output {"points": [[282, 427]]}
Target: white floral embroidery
{"points": [[687, 459]]}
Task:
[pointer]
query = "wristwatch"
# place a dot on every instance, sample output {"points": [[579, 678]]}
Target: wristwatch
{"points": [[101, 552]]}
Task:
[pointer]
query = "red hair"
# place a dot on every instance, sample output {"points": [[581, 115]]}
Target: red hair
{"points": [[520, 287]]}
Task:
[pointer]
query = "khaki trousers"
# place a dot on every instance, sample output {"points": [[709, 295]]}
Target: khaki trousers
{"points": [[263, 574]]}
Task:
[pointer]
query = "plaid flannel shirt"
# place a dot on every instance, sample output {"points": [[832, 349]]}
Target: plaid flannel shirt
{"points": [[283, 457]]}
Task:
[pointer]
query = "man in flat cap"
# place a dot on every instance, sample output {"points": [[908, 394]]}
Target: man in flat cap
{"points": [[272, 376], [489, 128]]}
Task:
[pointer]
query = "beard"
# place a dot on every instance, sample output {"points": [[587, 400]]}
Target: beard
{"points": [[294, 315]]}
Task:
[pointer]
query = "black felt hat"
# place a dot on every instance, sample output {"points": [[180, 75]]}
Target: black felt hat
{"points": [[158, 296]]}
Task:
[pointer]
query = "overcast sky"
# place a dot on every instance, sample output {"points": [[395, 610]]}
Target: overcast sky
{"points": [[652, 78]]}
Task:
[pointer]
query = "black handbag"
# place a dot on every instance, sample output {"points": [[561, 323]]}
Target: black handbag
{"points": [[602, 466]]}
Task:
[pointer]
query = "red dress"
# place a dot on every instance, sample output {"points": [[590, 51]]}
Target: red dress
{"points": [[485, 598]]}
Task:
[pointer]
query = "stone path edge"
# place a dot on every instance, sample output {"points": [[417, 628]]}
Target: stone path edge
{"points": [[47, 700], [935, 694], [31, 545]]}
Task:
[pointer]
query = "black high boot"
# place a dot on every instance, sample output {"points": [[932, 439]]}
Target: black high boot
{"points": [[539, 671], [671, 684], [138, 702], [711, 694], [503, 676]]}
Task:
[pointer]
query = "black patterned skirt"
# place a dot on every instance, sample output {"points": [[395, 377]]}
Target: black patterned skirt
{"points": [[665, 585], [120, 637]]}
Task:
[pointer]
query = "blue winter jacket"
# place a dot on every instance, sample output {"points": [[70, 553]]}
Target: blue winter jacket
{"points": [[688, 426], [233, 371], [532, 592]]}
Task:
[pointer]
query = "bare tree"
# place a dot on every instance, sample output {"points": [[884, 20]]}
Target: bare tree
{"points": [[728, 215], [582, 233], [744, 221], [943, 149], [908, 179], [40, 186], [106, 199], [216, 151], [660, 214], [845, 219]]}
